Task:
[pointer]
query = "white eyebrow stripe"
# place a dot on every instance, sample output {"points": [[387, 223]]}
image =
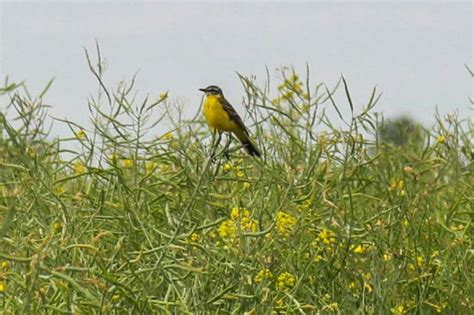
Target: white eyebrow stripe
{"points": [[213, 89]]}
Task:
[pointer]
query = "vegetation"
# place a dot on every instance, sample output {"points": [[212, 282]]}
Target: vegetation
{"points": [[118, 218]]}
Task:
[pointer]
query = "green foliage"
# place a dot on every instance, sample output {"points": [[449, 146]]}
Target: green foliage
{"points": [[118, 218], [401, 131]]}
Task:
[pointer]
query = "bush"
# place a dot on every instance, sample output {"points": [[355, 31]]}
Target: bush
{"points": [[119, 218]]}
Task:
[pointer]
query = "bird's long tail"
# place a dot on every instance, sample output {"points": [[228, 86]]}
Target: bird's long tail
{"points": [[247, 143]]}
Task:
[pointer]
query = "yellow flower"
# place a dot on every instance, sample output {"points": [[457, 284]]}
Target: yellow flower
{"points": [[227, 229], [151, 167], [227, 167], [262, 275], [57, 226], [127, 163], [297, 87], [359, 249], [248, 224], [396, 185], [163, 95], [368, 287], [401, 184], [441, 139], [326, 237], [59, 189], [81, 134], [285, 281], [167, 136], [276, 101], [113, 158], [115, 298], [5, 264], [398, 310], [352, 285], [79, 167], [195, 237], [305, 205], [387, 257], [246, 185], [288, 95], [305, 108], [284, 223], [240, 174], [234, 213], [3, 287], [239, 221], [420, 261], [279, 302], [294, 77], [31, 151]]}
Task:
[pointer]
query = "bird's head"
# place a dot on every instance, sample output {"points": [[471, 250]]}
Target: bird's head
{"points": [[212, 90]]}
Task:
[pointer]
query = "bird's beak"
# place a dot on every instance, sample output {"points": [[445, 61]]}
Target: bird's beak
{"points": [[203, 90]]}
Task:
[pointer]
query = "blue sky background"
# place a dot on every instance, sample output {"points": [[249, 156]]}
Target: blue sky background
{"points": [[414, 51]]}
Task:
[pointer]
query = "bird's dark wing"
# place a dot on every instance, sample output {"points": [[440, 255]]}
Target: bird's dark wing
{"points": [[233, 114]]}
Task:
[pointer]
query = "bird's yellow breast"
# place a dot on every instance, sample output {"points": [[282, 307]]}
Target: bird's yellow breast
{"points": [[216, 116]]}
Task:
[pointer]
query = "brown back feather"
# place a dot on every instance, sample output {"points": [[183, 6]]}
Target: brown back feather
{"points": [[233, 114]]}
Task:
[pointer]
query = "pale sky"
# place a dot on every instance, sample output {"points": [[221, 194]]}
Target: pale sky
{"points": [[414, 51]]}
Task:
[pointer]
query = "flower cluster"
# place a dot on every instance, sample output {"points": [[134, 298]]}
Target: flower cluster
{"points": [[262, 275], [167, 136], [398, 187], [290, 85], [285, 281], [361, 248], [418, 263], [289, 88], [326, 237], [127, 163], [227, 229], [441, 139], [324, 242], [284, 223], [195, 238], [240, 220], [307, 204], [81, 134], [79, 168]]}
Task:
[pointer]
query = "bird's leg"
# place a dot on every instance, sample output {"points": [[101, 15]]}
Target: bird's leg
{"points": [[215, 144], [226, 147], [219, 137]]}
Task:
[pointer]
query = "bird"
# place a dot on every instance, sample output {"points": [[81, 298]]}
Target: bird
{"points": [[222, 117]]}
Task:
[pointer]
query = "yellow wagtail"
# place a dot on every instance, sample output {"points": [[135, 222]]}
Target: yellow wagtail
{"points": [[222, 117]]}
